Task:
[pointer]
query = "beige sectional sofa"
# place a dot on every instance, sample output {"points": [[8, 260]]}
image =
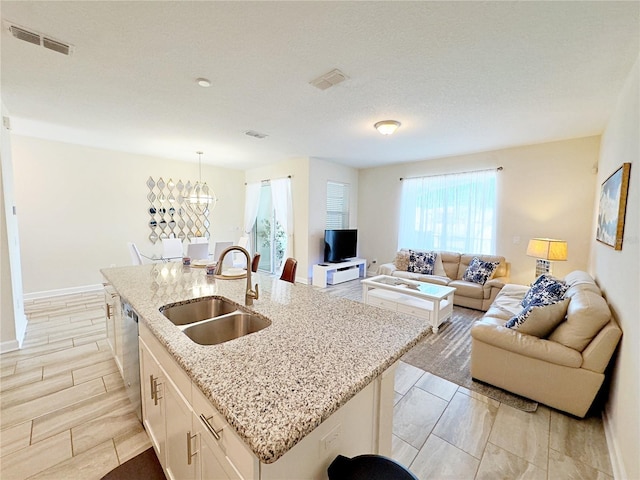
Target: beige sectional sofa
{"points": [[566, 368], [449, 270]]}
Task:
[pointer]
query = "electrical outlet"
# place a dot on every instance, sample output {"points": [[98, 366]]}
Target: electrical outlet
{"points": [[374, 261], [330, 440]]}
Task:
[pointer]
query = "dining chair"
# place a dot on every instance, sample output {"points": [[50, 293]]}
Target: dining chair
{"points": [[171, 249], [289, 270], [198, 251], [255, 262], [136, 258], [218, 248]]}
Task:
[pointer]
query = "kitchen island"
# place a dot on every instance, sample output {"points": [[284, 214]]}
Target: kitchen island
{"points": [[277, 388]]}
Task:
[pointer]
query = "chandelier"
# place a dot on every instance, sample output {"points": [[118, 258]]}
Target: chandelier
{"points": [[200, 198]]}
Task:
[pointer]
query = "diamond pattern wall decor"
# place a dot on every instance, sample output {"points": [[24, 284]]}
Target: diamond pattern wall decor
{"points": [[169, 214]]}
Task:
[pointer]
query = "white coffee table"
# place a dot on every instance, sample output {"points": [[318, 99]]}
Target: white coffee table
{"points": [[432, 302]]}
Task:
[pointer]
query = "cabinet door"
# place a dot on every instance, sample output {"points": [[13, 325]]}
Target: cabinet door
{"points": [[210, 467], [181, 452], [152, 384]]}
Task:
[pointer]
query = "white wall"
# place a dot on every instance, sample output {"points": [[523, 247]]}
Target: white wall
{"points": [[298, 168], [618, 274], [322, 171], [13, 323], [79, 206], [545, 190]]}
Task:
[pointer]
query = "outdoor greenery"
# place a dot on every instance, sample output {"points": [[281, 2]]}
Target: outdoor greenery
{"points": [[280, 238]]}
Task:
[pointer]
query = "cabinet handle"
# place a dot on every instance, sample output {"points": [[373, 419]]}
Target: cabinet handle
{"points": [[151, 388], [190, 454], [154, 389], [212, 430], [108, 310]]}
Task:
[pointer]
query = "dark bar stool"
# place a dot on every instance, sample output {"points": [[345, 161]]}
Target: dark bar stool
{"points": [[368, 467]]}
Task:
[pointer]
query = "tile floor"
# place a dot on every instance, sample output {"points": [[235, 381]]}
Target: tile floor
{"points": [[64, 414]]}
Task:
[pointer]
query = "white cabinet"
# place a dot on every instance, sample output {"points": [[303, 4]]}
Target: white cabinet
{"points": [[194, 442], [113, 314], [181, 450], [183, 429], [333, 273], [152, 384]]}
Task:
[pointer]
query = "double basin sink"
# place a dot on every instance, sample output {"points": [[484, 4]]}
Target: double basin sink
{"points": [[213, 320]]}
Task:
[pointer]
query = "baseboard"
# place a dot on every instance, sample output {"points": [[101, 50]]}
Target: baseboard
{"points": [[617, 465], [62, 291], [9, 346]]}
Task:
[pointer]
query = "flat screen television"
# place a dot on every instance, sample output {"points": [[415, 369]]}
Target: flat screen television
{"points": [[339, 245]]}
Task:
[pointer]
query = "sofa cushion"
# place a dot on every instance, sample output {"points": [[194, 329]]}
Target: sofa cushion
{"points": [[539, 320], [402, 262], [587, 314], [479, 271], [580, 281], [467, 289], [421, 262], [435, 279], [544, 291]]}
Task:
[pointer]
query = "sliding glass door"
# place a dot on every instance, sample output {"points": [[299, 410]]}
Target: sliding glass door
{"points": [[269, 237]]}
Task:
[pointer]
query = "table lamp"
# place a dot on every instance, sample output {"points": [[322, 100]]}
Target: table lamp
{"points": [[546, 250]]}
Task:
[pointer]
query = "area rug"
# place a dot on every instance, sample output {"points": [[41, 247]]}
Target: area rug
{"points": [[144, 466], [447, 353]]}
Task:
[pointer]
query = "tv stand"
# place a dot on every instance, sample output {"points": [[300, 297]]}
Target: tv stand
{"points": [[332, 273]]}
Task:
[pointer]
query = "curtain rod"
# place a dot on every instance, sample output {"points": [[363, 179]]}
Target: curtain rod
{"points": [[454, 173], [269, 179]]}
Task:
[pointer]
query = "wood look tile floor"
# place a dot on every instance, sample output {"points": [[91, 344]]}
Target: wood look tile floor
{"points": [[64, 413]]}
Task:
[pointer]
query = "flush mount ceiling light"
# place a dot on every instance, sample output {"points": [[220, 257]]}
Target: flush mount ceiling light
{"points": [[387, 127], [203, 82]]}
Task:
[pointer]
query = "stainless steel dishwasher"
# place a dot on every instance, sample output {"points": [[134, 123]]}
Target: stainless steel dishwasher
{"points": [[131, 360]]}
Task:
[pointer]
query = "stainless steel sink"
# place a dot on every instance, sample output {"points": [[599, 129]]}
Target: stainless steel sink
{"points": [[225, 328], [198, 310], [213, 320]]}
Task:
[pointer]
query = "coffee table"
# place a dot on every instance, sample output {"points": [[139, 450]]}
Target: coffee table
{"points": [[432, 302]]}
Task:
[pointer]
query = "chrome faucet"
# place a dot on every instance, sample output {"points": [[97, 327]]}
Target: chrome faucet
{"points": [[250, 294]]}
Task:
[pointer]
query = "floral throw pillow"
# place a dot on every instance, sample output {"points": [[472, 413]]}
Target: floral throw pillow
{"points": [[421, 262], [544, 291], [479, 271]]}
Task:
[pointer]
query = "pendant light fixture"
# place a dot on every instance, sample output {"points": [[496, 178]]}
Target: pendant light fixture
{"points": [[200, 198]]}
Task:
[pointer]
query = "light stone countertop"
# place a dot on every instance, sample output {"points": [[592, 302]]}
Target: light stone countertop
{"points": [[276, 385]]}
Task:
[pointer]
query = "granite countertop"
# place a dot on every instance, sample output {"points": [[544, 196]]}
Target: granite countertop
{"points": [[276, 385]]}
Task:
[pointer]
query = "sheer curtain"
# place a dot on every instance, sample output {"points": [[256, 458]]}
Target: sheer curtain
{"points": [[283, 206], [455, 212], [251, 204]]}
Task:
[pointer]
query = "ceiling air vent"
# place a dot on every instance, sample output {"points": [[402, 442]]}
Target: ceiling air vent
{"points": [[55, 46], [22, 34], [329, 79], [39, 39], [254, 134]]}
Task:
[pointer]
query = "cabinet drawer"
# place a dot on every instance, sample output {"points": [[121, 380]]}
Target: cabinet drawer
{"points": [[233, 455], [414, 310], [381, 302]]}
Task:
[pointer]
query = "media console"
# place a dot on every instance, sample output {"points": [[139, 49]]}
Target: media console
{"points": [[332, 273]]}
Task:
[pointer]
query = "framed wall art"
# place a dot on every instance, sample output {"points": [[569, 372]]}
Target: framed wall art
{"points": [[613, 204]]}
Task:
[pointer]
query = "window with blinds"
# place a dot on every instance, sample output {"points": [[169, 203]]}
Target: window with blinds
{"points": [[337, 205]]}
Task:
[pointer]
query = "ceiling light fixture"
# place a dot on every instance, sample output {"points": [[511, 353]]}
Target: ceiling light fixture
{"points": [[203, 82], [387, 127], [201, 200]]}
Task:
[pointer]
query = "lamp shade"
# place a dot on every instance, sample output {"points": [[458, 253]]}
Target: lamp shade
{"points": [[547, 249]]}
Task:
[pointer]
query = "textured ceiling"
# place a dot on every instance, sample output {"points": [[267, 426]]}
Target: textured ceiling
{"points": [[461, 76]]}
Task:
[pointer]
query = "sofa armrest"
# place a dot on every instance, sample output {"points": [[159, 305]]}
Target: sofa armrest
{"points": [[600, 349], [497, 282], [527, 345], [387, 269]]}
